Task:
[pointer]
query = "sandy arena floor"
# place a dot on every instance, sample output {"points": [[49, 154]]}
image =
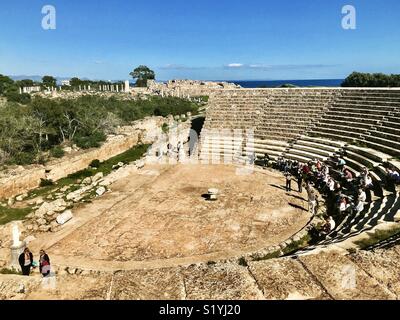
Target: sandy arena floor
{"points": [[158, 214]]}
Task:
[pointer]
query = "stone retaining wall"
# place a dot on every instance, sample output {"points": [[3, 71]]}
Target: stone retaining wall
{"points": [[142, 131]]}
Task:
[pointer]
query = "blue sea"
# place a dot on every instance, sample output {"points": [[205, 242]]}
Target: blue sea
{"points": [[298, 83]]}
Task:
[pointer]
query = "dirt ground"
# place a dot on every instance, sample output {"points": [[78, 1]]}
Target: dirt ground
{"points": [[158, 217]]}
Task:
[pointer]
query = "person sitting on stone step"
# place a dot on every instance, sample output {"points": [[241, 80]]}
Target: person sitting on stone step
{"points": [[341, 164], [329, 226]]}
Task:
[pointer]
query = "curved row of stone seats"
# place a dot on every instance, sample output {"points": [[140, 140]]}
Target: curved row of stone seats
{"points": [[220, 146], [234, 109], [395, 164], [379, 211], [393, 151], [395, 131], [288, 114], [359, 157], [307, 148], [273, 148], [384, 209], [358, 115], [385, 145], [386, 244], [353, 135]]}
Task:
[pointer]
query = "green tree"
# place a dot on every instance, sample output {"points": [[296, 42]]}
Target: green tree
{"points": [[75, 82], [6, 83], [142, 74], [49, 81], [25, 83], [358, 79]]}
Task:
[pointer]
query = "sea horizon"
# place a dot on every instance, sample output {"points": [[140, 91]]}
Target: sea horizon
{"points": [[249, 84], [278, 83]]}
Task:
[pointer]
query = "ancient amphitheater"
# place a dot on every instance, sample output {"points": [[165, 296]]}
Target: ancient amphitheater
{"points": [[153, 235]]}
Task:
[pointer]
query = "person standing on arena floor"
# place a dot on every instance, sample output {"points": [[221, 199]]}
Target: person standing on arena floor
{"points": [[300, 182], [288, 181], [44, 263], [312, 202], [25, 261]]}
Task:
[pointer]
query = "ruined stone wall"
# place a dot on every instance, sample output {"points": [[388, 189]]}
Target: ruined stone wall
{"points": [[188, 88], [23, 180]]}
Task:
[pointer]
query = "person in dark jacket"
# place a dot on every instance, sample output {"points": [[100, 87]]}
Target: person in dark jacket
{"points": [[25, 261], [300, 181], [44, 263]]}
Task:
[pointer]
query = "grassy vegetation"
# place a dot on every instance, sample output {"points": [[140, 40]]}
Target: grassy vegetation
{"points": [[272, 255], [290, 249], [131, 155], [105, 167], [12, 214], [10, 271], [296, 245], [8, 214], [204, 98], [360, 144], [378, 236]]}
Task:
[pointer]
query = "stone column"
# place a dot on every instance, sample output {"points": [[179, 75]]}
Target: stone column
{"points": [[16, 250], [127, 86]]}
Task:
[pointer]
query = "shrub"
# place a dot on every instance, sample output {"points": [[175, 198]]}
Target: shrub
{"points": [[358, 79], [92, 141], [57, 152], [81, 174], [23, 158], [242, 262], [46, 182], [165, 127], [23, 98], [95, 163]]}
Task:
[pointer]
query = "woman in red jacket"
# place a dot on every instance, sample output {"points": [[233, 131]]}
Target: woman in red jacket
{"points": [[44, 263]]}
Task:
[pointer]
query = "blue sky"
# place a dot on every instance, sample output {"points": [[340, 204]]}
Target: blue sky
{"points": [[200, 39]]}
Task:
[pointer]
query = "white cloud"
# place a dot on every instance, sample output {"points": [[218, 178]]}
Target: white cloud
{"points": [[235, 65]]}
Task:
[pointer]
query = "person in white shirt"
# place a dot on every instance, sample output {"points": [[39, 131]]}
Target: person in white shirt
{"points": [[368, 182], [359, 207], [331, 184], [343, 206], [362, 196], [312, 202], [329, 226], [332, 223]]}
